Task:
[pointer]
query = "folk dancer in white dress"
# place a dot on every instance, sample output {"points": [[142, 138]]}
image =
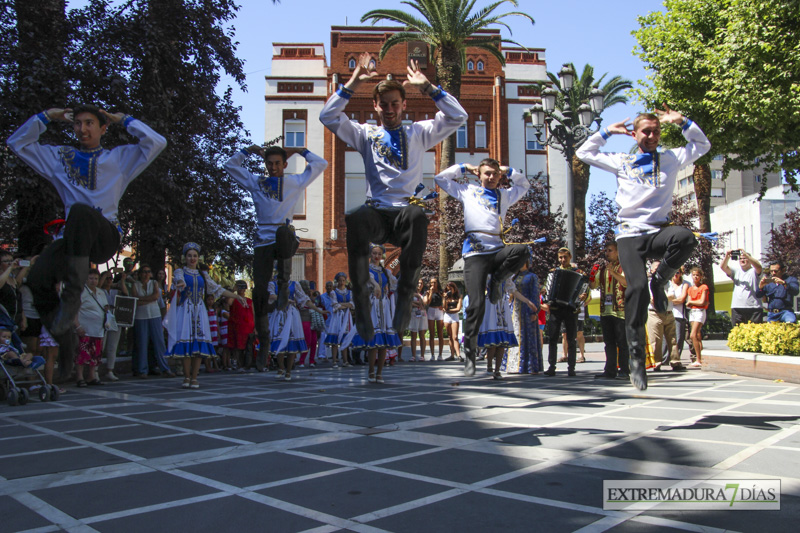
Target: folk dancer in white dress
{"points": [[393, 155], [381, 282], [186, 322], [90, 181], [340, 329], [286, 327], [485, 253], [496, 332], [274, 197], [645, 184]]}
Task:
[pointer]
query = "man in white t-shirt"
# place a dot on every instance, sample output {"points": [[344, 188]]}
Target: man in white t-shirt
{"points": [[745, 306]]}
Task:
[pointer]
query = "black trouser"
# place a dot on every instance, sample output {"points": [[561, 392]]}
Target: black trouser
{"points": [[672, 245], [263, 260], [568, 317], [741, 315], [616, 345], [406, 227], [86, 234], [680, 337], [477, 269]]}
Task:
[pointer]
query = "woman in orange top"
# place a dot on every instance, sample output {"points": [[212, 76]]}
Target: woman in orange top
{"points": [[697, 302]]}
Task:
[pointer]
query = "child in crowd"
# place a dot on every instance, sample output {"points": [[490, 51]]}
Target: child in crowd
{"points": [[12, 357], [697, 302]]}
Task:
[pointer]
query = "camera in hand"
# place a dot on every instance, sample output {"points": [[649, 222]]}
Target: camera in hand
{"points": [[735, 254]]}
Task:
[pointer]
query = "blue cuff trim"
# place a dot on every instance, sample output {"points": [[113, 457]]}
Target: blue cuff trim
{"points": [[605, 133], [127, 120], [305, 152], [686, 124], [43, 117], [438, 94], [244, 151], [344, 92], [463, 169]]}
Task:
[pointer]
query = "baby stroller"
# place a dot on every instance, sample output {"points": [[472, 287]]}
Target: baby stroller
{"points": [[13, 376]]}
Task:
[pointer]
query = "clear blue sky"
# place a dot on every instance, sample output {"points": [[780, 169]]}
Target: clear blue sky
{"points": [[580, 31]]}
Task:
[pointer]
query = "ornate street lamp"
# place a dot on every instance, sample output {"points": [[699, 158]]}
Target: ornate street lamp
{"points": [[562, 132]]}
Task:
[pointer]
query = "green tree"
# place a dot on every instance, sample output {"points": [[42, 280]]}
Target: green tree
{"points": [[448, 27], [614, 90]]}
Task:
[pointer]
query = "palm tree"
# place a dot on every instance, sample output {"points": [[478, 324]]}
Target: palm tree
{"points": [[448, 27], [613, 90]]}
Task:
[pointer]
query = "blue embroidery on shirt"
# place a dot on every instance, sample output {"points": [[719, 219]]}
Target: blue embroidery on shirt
{"points": [[271, 187], [80, 166], [643, 168], [390, 145], [472, 244]]}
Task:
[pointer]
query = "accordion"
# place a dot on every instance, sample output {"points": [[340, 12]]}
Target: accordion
{"points": [[564, 288]]}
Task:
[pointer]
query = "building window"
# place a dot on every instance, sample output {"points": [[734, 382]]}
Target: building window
{"points": [[716, 174], [532, 143], [718, 157], [285, 87], [684, 183], [461, 137], [294, 134], [470, 65], [758, 178], [480, 135], [526, 90], [717, 192], [480, 66], [691, 180], [352, 63]]}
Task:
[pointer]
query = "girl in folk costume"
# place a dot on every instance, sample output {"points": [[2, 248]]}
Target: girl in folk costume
{"points": [[341, 330], [286, 327], [497, 330], [527, 357], [381, 282], [188, 332]]}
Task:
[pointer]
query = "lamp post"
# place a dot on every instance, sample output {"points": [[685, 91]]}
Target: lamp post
{"points": [[563, 133]]}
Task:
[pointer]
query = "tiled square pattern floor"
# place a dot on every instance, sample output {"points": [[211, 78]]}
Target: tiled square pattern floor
{"points": [[427, 451]]}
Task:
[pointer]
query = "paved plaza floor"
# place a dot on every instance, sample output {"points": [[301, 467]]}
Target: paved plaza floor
{"points": [[427, 451]]}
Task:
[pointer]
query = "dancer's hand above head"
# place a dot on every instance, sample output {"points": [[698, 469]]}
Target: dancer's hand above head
{"points": [[61, 115], [256, 149], [113, 118], [472, 169], [668, 115], [416, 78], [621, 128], [365, 70]]}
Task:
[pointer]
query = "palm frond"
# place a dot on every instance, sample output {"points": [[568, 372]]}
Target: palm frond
{"points": [[395, 15]]}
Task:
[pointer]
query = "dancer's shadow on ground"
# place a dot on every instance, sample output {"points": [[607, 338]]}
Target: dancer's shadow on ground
{"points": [[763, 422]]}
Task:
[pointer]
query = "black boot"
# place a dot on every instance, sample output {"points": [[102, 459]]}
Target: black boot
{"points": [[470, 350], [638, 366], [658, 286], [76, 272]]}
